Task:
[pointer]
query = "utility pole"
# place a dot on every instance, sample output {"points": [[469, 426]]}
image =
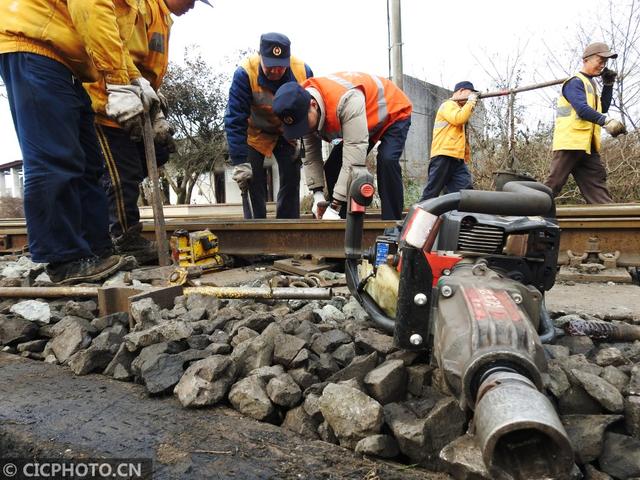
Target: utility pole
{"points": [[395, 46]]}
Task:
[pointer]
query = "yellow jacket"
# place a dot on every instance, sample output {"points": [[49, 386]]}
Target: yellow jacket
{"points": [[572, 132], [148, 47], [81, 34], [449, 130]]}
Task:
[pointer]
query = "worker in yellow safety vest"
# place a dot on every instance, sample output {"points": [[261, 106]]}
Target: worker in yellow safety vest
{"points": [[579, 118]]}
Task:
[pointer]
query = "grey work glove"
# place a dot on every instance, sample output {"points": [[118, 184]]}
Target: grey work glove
{"points": [[473, 98], [614, 127], [123, 102], [162, 129], [134, 127], [608, 76], [164, 105], [242, 175], [148, 95]]}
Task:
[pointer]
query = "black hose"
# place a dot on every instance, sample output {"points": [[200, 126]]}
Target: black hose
{"points": [[547, 328], [443, 204], [371, 307], [518, 198]]}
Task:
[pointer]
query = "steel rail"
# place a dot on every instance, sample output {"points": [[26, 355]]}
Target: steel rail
{"points": [[617, 226]]}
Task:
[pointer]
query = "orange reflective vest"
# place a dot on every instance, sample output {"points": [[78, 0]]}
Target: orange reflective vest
{"points": [[385, 103], [265, 127]]}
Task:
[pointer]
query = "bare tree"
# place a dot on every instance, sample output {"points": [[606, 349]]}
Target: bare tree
{"points": [[618, 25], [622, 33], [197, 98]]}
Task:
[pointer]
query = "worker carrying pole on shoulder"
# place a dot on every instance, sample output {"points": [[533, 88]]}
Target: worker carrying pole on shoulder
{"points": [[450, 149]]}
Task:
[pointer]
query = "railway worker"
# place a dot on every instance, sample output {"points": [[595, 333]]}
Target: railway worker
{"points": [[122, 145], [579, 118], [47, 49], [360, 109], [450, 149], [254, 132]]}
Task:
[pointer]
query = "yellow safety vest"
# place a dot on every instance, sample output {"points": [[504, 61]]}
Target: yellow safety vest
{"points": [[449, 131], [571, 132], [148, 44], [264, 126]]}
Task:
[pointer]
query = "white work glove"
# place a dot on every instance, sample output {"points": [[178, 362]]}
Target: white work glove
{"points": [[614, 127], [331, 214], [123, 102], [242, 175], [148, 95], [317, 198], [473, 98]]}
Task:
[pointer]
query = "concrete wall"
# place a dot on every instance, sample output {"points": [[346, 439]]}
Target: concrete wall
{"points": [[426, 99], [11, 183]]}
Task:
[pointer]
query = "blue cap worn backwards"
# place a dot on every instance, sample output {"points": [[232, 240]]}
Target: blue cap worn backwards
{"points": [[291, 105], [275, 49], [464, 84]]}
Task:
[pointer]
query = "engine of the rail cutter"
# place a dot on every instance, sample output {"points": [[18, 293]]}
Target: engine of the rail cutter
{"points": [[468, 287], [517, 255], [475, 301]]}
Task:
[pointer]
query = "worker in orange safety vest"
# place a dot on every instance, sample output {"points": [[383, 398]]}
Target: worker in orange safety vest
{"points": [[354, 111]]}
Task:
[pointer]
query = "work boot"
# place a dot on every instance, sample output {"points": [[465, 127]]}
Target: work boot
{"points": [[89, 269], [132, 243]]}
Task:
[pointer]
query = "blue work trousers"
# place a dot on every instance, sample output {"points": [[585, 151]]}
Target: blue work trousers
{"points": [[65, 205], [446, 172], [126, 168], [389, 172], [288, 198]]}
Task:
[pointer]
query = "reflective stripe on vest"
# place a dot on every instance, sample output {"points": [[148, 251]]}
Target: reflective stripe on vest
{"points": [[264, 126], [380, 113], [383, 110], [571, 132]]}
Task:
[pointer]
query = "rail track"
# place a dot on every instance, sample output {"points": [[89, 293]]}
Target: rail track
{"points": [[615, 227]]}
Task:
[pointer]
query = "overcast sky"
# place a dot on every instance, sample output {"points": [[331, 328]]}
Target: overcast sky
{"points": [[443, 42]]}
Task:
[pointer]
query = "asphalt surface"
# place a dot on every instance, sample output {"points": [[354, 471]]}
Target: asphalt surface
{"points": [[46, 411], [615, 301]]}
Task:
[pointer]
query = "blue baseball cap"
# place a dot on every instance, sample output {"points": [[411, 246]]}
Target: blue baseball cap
{"points": [[466, 84], [207, 2], [275, 49], [291, 105]]}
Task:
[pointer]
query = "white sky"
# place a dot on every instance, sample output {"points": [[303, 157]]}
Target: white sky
{"points": [[442, 42]]}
